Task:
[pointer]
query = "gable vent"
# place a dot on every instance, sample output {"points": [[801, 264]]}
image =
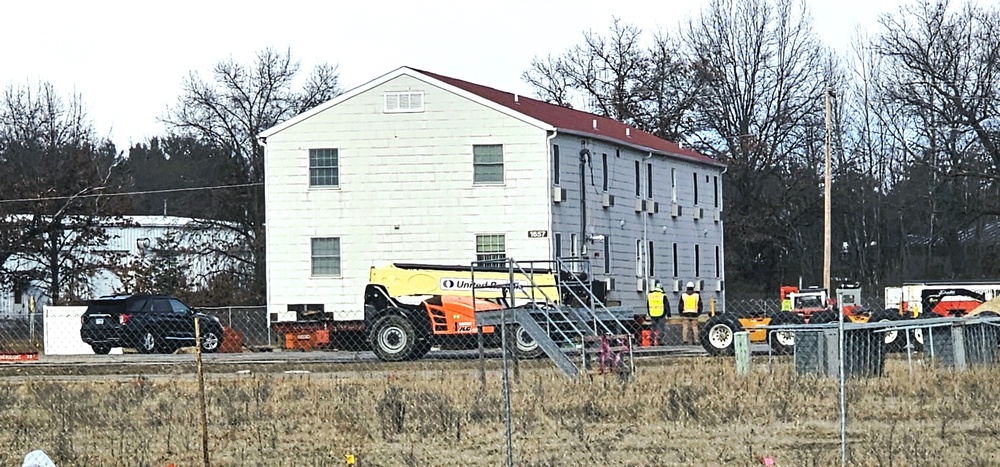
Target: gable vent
{"points": [[408, 101]]}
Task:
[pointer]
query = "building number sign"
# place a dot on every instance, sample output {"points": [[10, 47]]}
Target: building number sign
{"points": [[538, 233]]}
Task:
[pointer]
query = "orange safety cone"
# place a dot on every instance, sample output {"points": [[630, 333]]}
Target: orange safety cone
{"points": [[646, 334]]}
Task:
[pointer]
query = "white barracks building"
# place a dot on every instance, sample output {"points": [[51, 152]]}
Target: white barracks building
{"points": [[415, 167]]}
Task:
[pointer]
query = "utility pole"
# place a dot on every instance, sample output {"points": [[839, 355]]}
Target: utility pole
{"points": [[826, 196]]}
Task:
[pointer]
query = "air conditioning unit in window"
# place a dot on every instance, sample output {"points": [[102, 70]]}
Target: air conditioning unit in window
{"points": [[607, 200], [718, 286], [675, 210], [699, 285], [640, 285], [677, 286], [640, 205], [698, 213], [558, 194], [652, 207], [717, 216], [609, 284]]}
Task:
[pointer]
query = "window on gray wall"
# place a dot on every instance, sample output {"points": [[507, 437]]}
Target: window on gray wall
{"points": [[715, 189], [649, 181], [557, 245], [324, 167], [696, 189], [717, 263], [673, 185], [638, 258], [638, 179], [650, 256], [555, 164], [487, 164], [604, 163], [325, 256], [675, 259], [697, 261], [607, 254]]}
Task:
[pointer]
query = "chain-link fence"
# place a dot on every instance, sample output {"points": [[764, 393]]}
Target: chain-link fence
{"points": [[307, 389]]}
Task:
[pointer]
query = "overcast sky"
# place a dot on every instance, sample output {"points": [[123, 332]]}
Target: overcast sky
{"points": [[127, 59]]}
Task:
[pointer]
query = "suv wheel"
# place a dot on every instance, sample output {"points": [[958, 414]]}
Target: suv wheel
{"points": [[210, 341], [101, 349], [148, 343]]}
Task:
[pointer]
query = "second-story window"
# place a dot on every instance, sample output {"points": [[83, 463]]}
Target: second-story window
{"points": [[638, 179], [487, 164]]}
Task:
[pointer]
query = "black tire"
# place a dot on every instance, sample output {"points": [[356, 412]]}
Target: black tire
{"points": [[393, 338], [918, 334], [521, 344], [823, 317], [148, 342], [893, 341], [211, 341], [717, 335], [420, 349], [783, 341], [101, 349]]}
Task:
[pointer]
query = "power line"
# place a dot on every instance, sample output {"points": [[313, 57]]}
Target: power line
{"points": [[129, 193]]}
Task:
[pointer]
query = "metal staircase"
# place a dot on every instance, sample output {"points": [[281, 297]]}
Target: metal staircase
{"points": [[567, 320]]}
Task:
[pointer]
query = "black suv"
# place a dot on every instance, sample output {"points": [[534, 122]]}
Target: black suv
{"points": [[148, 323]]}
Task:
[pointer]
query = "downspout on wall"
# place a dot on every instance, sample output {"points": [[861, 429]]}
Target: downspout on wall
{"points": [[548, 191], [584, 160]]}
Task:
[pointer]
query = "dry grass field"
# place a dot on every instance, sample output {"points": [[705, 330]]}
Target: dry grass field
{"points": [[693, 411]]}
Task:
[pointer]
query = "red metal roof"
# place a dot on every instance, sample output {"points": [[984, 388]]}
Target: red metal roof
{"points": [[577, 121]]}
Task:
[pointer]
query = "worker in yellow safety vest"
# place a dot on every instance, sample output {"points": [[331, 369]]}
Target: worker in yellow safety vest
{"points": [[659, 311], [689, 307]]}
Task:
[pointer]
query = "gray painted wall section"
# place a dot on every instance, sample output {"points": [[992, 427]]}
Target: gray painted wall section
{"points": [[622, 226]]}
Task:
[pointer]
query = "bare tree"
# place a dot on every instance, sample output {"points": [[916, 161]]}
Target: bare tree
{"points": [[621, 75], [761, 112], [227, 113], [52, 172], [943, 86]]}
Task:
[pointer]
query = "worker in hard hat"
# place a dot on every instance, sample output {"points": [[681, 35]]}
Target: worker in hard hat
{"points": [[658, 312], [689, 307]]}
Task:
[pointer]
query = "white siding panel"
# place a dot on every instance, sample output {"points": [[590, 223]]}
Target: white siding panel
{"points": [[406, 192]]}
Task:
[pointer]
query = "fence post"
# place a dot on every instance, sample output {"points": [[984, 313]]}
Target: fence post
{"points": [[958, 346], [741, 348]]}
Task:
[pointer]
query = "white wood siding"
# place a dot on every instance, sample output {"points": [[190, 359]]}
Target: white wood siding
{"points": [[406, 192]]}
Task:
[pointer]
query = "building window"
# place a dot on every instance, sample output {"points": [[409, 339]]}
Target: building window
{"points": [[673, 185], [604, 172], [398, 102], [487, 163], [555, 164], [697, 261], [638, 258], [490, 247], [650, 256], [557, 245], [326, 256], [638, 178], [324, 167], [675, 260], [607, 254], [718, 263], [695, 189], [715, 190], [649, 181]]}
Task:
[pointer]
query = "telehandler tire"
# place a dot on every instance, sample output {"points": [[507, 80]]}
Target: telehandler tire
{"points": [[521, 344], [393, 338], [783, 341], [894, 341], [823, 317], [717, 335]]}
